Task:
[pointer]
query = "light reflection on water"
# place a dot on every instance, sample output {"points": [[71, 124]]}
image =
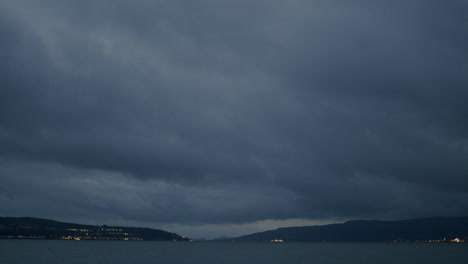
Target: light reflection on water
{"points": [[115, 252]]}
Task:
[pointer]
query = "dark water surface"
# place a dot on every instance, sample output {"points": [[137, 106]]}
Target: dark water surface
{"points": [[59, 251]]}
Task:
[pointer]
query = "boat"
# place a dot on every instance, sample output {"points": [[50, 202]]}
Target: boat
{"points": [[277, 240]]}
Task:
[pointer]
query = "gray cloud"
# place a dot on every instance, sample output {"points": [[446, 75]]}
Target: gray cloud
{"points": [[220, 112]]}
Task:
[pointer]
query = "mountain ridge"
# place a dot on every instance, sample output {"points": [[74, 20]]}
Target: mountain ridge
{"points": [[41, 228], [420, 229]]}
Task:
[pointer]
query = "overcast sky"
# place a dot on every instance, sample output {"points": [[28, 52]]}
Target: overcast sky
{"points": [[222, 118]]}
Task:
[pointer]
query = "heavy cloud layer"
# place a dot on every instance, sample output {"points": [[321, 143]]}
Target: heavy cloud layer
{"points": [[228, 112]]}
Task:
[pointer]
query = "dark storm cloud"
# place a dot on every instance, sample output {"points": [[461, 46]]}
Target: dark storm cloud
{"points": [[233, 111]]}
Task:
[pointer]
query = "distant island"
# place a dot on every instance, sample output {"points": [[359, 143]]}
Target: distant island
{"points": [[37, 228], [438, 229]]}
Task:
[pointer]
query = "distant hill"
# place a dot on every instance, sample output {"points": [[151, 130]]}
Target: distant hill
{"points": [[361, 231], [29, 227]]}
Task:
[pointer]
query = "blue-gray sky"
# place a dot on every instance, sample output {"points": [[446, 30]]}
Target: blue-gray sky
{"points": [[212, 118]]}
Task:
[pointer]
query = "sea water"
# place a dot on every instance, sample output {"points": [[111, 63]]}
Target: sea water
{"points": [[135, 252]]}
